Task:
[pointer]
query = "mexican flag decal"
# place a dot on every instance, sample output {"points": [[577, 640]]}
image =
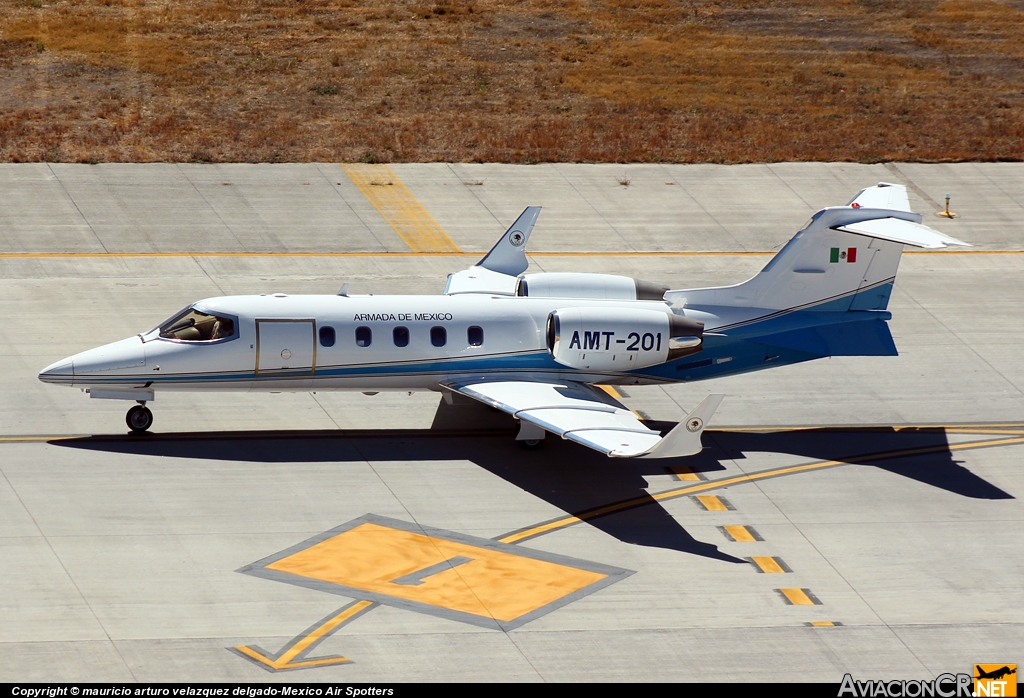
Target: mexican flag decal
{"points": [[837, 255]]}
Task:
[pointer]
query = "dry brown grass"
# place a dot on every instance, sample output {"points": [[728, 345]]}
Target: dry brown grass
{"points": [[500, 80]]}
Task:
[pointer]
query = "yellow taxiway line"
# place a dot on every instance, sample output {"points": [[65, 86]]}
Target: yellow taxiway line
{"points": [[423, 240], [571, 520], [291, 657], [400, 208]]}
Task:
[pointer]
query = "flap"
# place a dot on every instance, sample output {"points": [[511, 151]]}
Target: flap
{"points": [[906, 232], [590, 417], [574, 411]]}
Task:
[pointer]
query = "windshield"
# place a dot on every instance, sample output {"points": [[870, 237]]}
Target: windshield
{"points": [[192, 325]]}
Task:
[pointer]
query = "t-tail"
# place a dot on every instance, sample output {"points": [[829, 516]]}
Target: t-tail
{"points": [[838, 269]]}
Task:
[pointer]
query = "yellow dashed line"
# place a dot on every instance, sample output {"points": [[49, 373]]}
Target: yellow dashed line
{"points": [[798, 597], [822, 624], [685, 473], [610, 389], [403, 211], [740, 534], [768, 565], [752, 477], [712, 502]]}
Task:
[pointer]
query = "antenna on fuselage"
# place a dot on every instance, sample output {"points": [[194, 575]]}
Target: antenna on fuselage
{"points": [[344, 290]]}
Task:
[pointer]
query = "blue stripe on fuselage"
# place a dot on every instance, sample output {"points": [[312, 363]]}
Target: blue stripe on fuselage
{"points": [[748, 346], [736, 350]]}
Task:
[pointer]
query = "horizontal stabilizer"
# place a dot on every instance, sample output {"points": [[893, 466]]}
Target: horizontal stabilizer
{"points": [[901, 231], [883, 195], [845, 258]]}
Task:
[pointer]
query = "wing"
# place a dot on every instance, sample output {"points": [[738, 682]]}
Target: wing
{"points": [[588, 416], [498, 271]]}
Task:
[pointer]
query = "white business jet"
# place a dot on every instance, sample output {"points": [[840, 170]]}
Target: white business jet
{"points": [[537, 345]]}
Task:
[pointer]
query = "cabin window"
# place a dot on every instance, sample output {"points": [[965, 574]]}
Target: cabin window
{"points": [[475, 336], [364, 337], [401, 336], [438, 336], [192, 325], [327, 336]]}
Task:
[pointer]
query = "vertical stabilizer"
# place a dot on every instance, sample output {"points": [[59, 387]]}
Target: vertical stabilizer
{"points": [[844, 259]]}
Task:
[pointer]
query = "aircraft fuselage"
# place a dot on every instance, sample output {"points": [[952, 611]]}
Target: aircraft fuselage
{"points": [[299, 343]]}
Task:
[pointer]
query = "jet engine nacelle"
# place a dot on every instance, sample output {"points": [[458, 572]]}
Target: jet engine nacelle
{"points": [[620, 339], [604, 286]]}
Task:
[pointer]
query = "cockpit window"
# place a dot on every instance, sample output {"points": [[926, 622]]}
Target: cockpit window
{"points": [[193, 325]]}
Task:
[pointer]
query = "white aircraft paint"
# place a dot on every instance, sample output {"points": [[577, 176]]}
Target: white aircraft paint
{"points": [[536, 345]]}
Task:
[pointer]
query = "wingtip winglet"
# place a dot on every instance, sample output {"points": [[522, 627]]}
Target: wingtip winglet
{"points": [[685, 437], [508, 256]]}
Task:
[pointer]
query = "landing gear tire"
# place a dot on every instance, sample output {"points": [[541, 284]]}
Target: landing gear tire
{"points": [[139, 418], [532, 444]]}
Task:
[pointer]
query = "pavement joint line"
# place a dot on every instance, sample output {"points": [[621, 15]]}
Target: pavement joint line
{"points": [[996, 428], [400, 208], [675, 493], [428, 253], [290, 657], [372, 433]]}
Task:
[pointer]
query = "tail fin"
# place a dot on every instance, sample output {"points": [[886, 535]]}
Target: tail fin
{"points": [[845, 258]]}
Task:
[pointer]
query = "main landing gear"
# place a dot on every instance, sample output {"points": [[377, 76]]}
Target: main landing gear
{"points": [[531, 436], [139, 418]]}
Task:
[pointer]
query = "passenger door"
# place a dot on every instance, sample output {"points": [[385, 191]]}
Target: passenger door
{"points": [[285, 347]]}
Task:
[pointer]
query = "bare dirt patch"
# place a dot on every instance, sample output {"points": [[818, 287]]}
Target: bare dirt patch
{"points": [[497, 80]]}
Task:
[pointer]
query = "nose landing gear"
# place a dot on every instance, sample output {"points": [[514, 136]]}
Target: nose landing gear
{"points": [[139, 418]]}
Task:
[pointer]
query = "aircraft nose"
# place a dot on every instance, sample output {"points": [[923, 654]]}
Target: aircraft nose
{"points": [[62, 371]]}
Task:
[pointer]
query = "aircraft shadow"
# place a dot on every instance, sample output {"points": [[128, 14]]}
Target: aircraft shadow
{"points": [[867, 447], [566, 475]]}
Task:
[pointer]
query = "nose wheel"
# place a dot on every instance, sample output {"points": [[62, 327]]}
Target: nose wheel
{"points": [[139, 418]]}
